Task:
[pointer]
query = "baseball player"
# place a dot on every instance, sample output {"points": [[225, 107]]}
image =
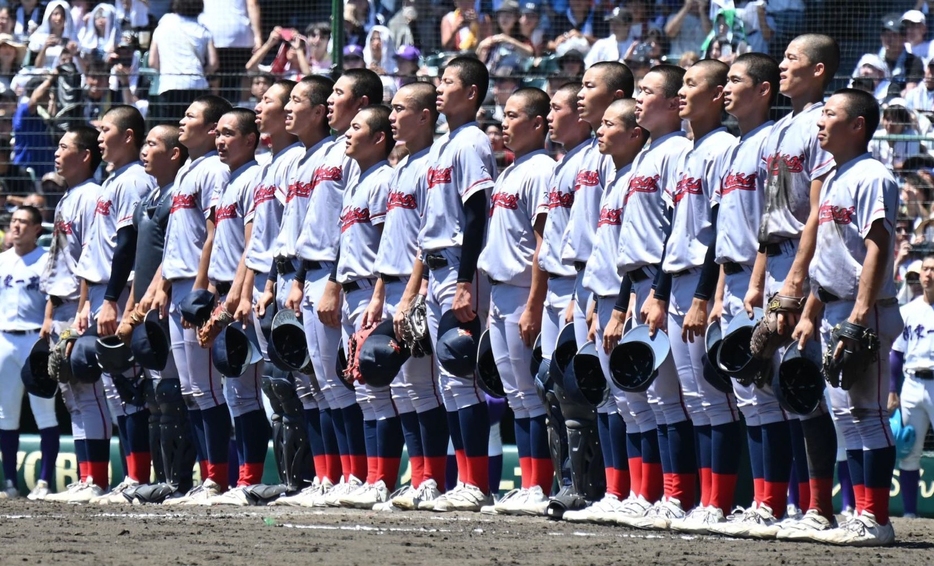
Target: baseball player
{"points": [[424, 424], [460, 176], [794, 166], [185, 260], [170, 431], [306, 117], [509, 260], [750, 92], [852, 282], [76, 159], [312, 288], [629, 423], [23, 305], [564, 127], [691, 274], [911, 357], [369, 141], [105, 266], [641, 242]]}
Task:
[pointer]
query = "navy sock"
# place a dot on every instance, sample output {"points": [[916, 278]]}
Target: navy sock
{"points": [[136, 431], [197, 432], [313, 429], [328, 435], [538, 438], [681, 448], [618, 438], [703, 448], [255, 437], [908, 479], [340, 432], [49, 442], [603, 435], [651, 452], [433, 428], [523, 442], [725, 441], [353, 425], [777, 451], [9, 445], [216, 422], [369, 434], [411, 434], [664, 450], [475, 429], [754, 440]]}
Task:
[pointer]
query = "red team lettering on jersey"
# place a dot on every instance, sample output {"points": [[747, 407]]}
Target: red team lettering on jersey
{"points": [[103, 208], [226, 212], [353, 216], [687, 186], [836, 214], [298, 189], [326, 174], [503, 200], [398, 199], [557, 199], [180, 202], [440, 176], [738, 182], [610, 217], [62, 227], [587, 179], [262, 193], [793, 163], [642, 185]]}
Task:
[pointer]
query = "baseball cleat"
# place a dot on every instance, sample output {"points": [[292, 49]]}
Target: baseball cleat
{"points": [[755, 522], [508, 503], [78, 492], [600, 512], [535, 502], [699, 520], [427, 494], [468, 498], [9, 490], [366, 496], [333, 498], [197, 495], [429, 504], [806, 527], [633, 510], [305, 497], [122, 494], [406, 497], [237, 496], [861, 530], [39, 492]]}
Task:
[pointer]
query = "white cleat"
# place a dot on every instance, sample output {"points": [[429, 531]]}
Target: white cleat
{"points": [[508, 503], [600, 512], [40, 491], [366, 496], [659, 516], [197, 495], [429, 504], [633, 510], [861, 530], [9, 491], [333, 498], [122, 494], [236, 496], [699, 520], [756, 522], [426, 495], [535, 503], [78, 492], [468, 498], [805, 528], [305, 497]]}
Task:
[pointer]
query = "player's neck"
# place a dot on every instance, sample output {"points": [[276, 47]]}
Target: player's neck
{"points": [[928, 296], [313, 136], [280, 141], [368, 161], [753, 121], [76, 179], [844, 156], [24, 248], [576, 140], [419, 144], [165, 177], [122, 162], [801, 103], [626, 157], [199, 151], [665, 129], [522, 152], [703, 126], [457, 120]]}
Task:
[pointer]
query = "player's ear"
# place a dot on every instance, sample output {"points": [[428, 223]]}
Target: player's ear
{"points": [[472, 92], [619, 94], [819, 70], [859, 124], [718, 94]]}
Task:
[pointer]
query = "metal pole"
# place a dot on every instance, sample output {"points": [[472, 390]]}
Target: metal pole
{"points": [[337, 37]]}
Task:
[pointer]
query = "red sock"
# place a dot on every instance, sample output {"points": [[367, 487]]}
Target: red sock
{"points": [[683, 489], [435, 468], [139, 466], [203, 466], [372, 470], [332, 468], [251, 474], [822, 496], [722, 488], [358, 466], [861, 494], [218, 473], [321, 465], [804, 495], [84, 469], [653, 484], [622, 482], [100, 472], [775, 495], [418, 469], [635, 475], [543, 474], [345, 467], [479, 472], [388, 471], [463, 473], [610, 473], [525, 472], [668, 484], [705, 486], [758, 489], [876, 501]]}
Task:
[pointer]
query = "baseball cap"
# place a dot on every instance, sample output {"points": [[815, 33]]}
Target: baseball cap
{"points": [[353, 51], [528, 8], [913, 267], [408, 52], [914, 17], [892, 22], [874, 61], [509, 6], [619, 14]]}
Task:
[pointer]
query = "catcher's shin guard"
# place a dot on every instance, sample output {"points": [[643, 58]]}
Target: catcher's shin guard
{"points": [[155, 429], [177, 447], [294, 453], [557, 431]]}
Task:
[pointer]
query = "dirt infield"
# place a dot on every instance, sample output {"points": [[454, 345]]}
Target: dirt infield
{"points": [[62, 534]]}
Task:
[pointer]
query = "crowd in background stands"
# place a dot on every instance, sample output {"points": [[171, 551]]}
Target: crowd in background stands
{"points": [[62, 62]]}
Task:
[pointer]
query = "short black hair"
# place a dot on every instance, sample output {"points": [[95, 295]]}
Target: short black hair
{"points": [[617, 76], [86, 140], [672, 77], [34, 213], [320, 88], [715, 71], [214, 107], [860, 103], [246, 122], [626, 109], [170, 138], [128, 117], [364, 82], [287, 87], [472, 72], [572, 89], [376, 117], [424, 95], [188, 8], [819, 48], [761, 68], [535, 102]]}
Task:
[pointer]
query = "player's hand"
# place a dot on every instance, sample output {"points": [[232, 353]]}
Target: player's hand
{"points": [[789, 320], [231, 303], [463, 303], [398, 319], [803, 332], [145, 304], [569, 312], [373, 314], [244, 312], [592, 330], [46, 329], [894, 402], [263, 303], [695, 321], [124, 330], [81, 319], [107, 319], [329, 307], [613, 332], [655, 314], [294, 300], [160, 303], [716, 312], [530, 324], [753, 300]]}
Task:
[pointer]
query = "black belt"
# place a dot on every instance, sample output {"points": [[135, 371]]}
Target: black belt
{"points": [[580, 265], [682, 273], [924, 374], [732, 268], [56, 301], [772, 250], [494, 281], [435, 261], [638, 275], [20, 332], [310, 264], [554, 276], [222, 287], [826, 296], [351, 286], [284, 265], [390, 278]]}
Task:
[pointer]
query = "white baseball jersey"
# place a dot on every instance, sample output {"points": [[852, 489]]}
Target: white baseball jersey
{"points": [[269, 197], [594, 171], [73, 217], [306, 174], [739, 195], [197, 186], [559, 201], [791, 159], [321, 231], [601, 277], [699, 172], [234, 210], [404, 209], [116, 204], [645, 225], [460, 163], [917, 339], [364, 209], [514, 205], [854, 196], [22, 302]]}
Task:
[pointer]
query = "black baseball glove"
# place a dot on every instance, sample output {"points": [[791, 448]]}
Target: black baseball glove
{"points": [[765, 337], [860, 350]]}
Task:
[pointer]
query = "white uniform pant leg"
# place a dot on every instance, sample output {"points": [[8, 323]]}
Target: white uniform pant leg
{"points": [[582, 301], [664, 394], [512, 356], [634, 407], [14, 349], [323, 341], [376, 402], [560, 292], [417, 380], [863, 406], [244, 393], [309, 388], [205, 383], [115, 402], [917, 404]]}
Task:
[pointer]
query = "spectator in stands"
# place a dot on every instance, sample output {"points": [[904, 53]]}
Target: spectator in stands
{"points": [[401, 24], [504, 156], [32, 152], [135, 14], [727, 38], [38, 202], [786, 19], [464, 28], [756, 26], [11, 58], [355, 19], [291, 60], [319, 57], [581, 19], [124, 72], [916, 31], [54, 34], [183, 52], [529, 20], [911, 288], [904, 232], [905, 69], [872, 75], [921, 99], [916, 195], [687, 28], [896, 121], [406, 65], [615, 46], [508, 41], [27, 18], [237, 32], [6, 21], [688, 59], [98, 35], [353, 57], [570, 62], [378, 51], [7, 111]]}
